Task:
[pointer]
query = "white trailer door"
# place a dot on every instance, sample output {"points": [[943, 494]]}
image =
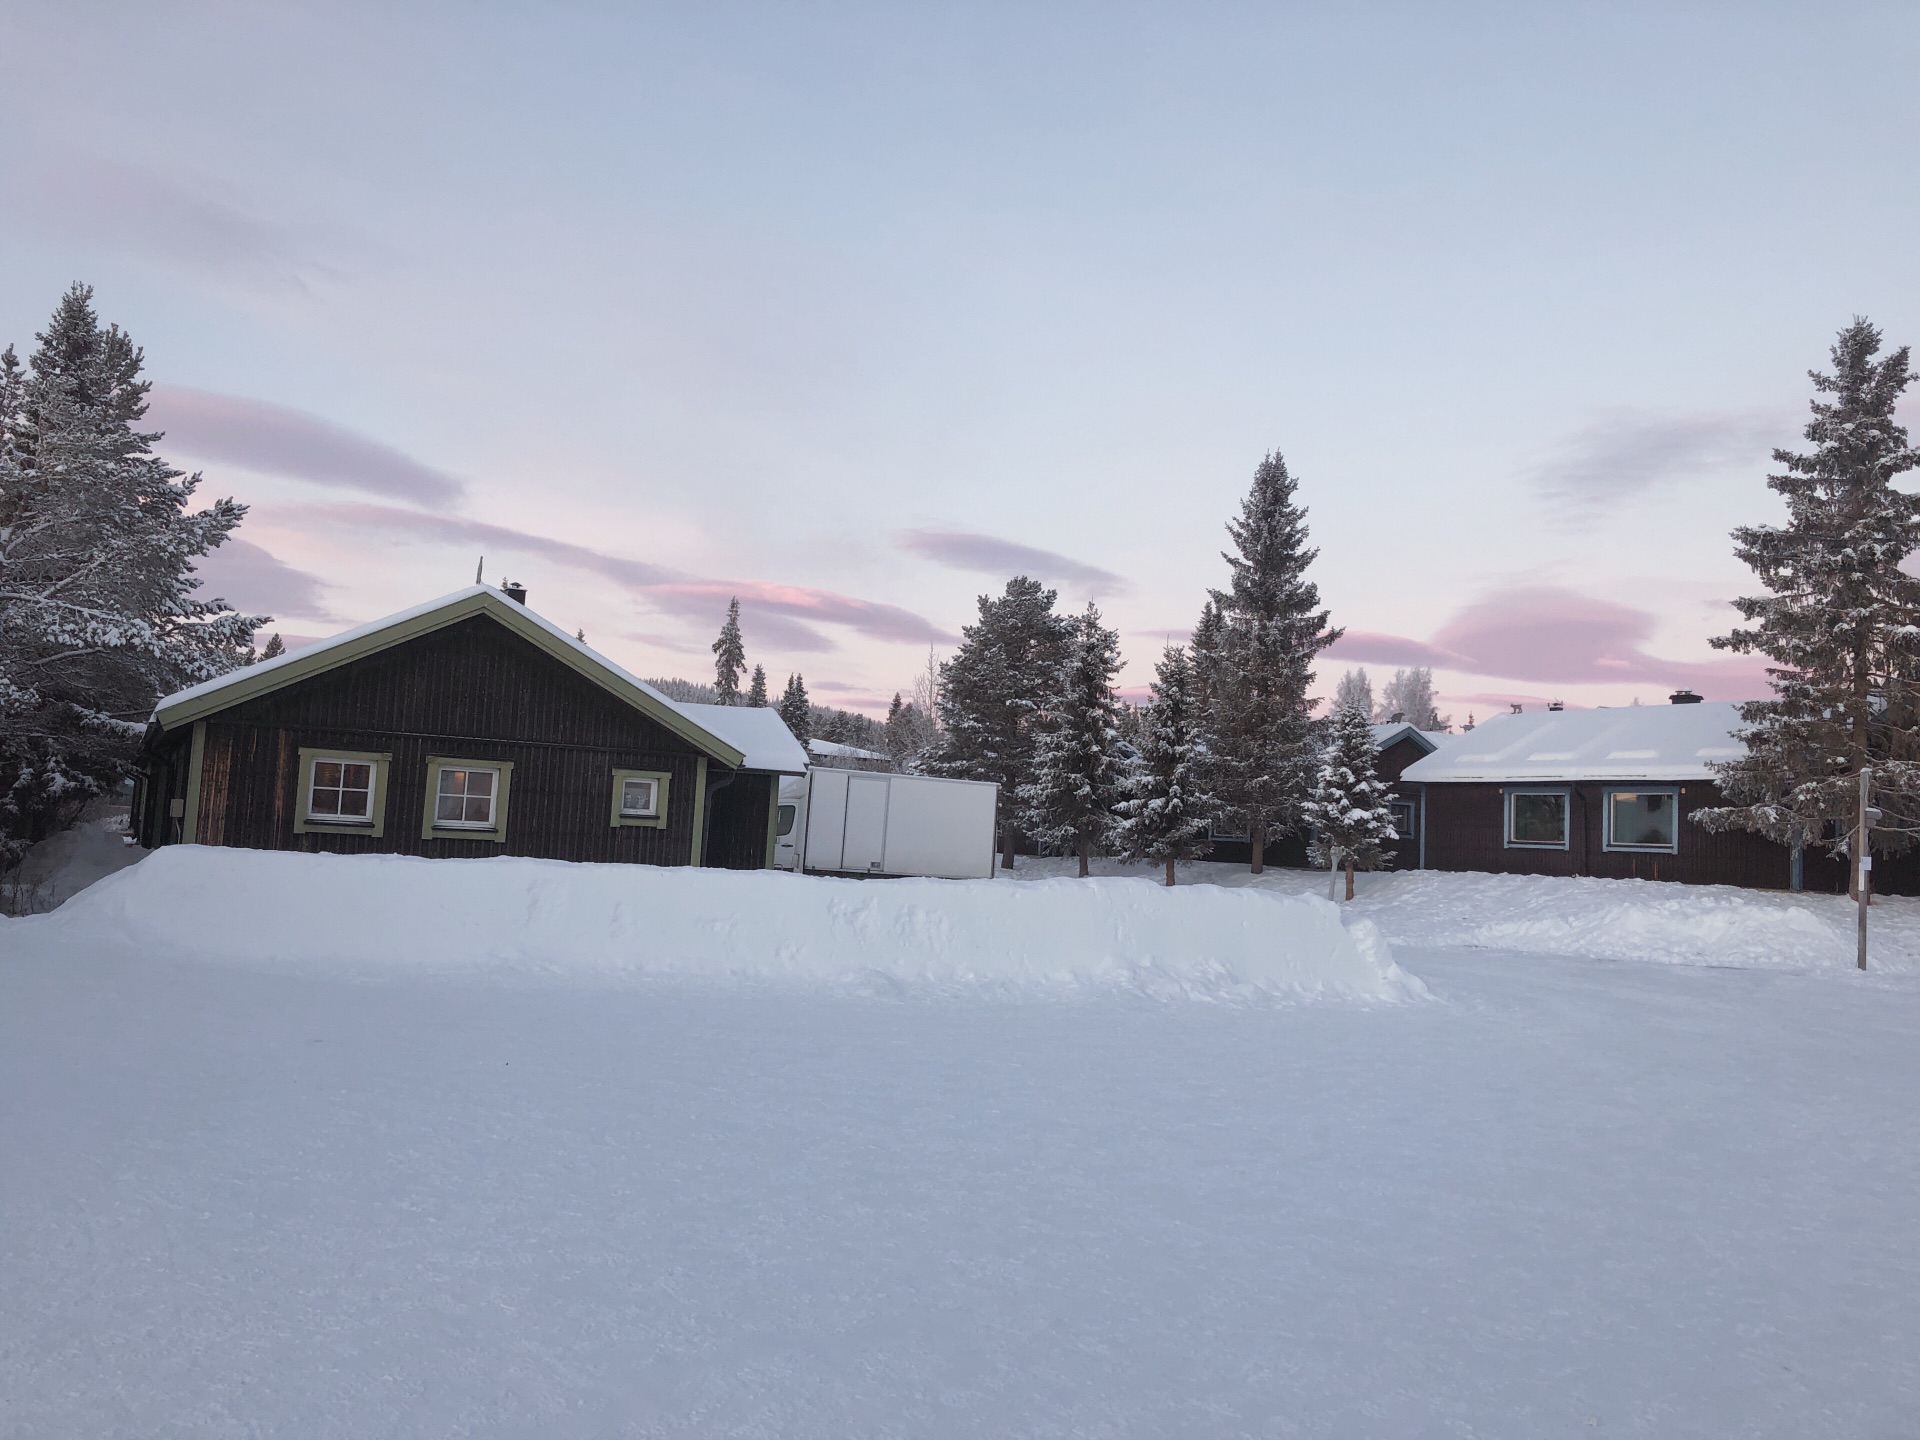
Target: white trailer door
{"points": [[826, 819], [940, 827], [866, 835]]}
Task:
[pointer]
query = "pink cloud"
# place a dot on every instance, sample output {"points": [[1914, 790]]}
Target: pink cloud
{"points": [[785, 614], [276, 440], [1549, 635]]}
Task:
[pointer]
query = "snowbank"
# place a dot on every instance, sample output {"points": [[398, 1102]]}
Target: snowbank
{"points": [[1592, 918], [254, 907]]}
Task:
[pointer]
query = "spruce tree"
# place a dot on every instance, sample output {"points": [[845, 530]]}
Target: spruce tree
{"points": [[757, 690], [275, 648], [1272, 630], [1350, 808], [98, 617], [1840, 622], [1169, 811], [991, 691], [1077, 772], [795, 708], [729, 657]]}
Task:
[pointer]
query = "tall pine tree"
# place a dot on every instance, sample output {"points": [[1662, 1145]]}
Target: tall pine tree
{"points": [[1169, 811], [729, 657], [1350, 808], [992, 690], [796, 709], [1840, 622], [1272, 630], [1077, 773], [98, 616]]}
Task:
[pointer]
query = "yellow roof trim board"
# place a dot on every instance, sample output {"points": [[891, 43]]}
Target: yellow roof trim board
{"points": [[249, 683]]}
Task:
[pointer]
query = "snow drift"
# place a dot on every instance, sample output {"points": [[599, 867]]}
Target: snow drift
{"points": [[254, 907]]}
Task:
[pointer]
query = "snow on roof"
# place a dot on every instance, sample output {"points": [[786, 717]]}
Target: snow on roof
{"points": [[1639, 742], [1388, 732], [310, 659], [755, 731], [845, 752]]}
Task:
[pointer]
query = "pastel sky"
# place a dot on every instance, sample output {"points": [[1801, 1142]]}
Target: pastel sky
{"points": [[852, 311]]}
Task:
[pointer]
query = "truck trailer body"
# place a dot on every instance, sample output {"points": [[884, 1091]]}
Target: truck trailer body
{"points": [[851, 822]]}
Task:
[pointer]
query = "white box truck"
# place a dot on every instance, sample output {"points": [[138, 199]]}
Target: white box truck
{"points": [[858, 822]]}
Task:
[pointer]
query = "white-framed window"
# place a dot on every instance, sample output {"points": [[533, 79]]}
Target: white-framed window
{"points": [[1538, 819], [464, 797], [1643, 820], [640, 798], [341, 790], [467, 799]]}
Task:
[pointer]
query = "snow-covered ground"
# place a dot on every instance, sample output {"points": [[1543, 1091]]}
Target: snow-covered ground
{"points": [[1598, 919], [247, 1190]]}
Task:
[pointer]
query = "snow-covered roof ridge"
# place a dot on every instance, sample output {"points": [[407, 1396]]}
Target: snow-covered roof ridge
{"points": [[1389, 732], [1638, 742], [818, 746], [321, 655]]}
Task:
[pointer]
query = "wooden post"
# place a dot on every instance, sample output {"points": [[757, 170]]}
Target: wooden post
{"points": [[1864, 860]]}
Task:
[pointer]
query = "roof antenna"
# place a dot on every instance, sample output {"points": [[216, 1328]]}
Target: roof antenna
{"points": [[479, 570]]}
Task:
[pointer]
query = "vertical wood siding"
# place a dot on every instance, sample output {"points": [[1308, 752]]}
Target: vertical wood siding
{"points": [[474, 691]]}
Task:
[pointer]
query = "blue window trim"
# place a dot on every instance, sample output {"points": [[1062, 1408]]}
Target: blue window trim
{"points": [[1565, 792]]}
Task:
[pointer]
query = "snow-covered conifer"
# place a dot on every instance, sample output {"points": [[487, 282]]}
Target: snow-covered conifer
{"points": [[757, 689], [1354, 689], [729, 657], [98, 617], [1841, 622], [1273, 629], [1169, 811], [991, 690], [1350, 808], [796, 709], [1077, 772], [275, 647]]}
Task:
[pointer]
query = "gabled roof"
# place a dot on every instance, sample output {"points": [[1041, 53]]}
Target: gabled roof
{"points": [[199, 701], [1638, 742], [1391, 732], [757, 731]]}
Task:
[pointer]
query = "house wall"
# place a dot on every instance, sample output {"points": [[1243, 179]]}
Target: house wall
{"points": [[1466, 830], [473, 690]]}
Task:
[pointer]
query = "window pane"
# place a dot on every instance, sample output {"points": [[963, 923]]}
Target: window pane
{"points": [[324, 802], [327, 773], [356, 777], [787, 814], [636, 797], [479, 810], [453, 782], [353, 802], [1643, 819], [1539, 820], [479, 782], [450, 809]]}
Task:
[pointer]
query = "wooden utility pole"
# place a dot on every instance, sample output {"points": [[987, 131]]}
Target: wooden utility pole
{"points": [[1863, 858]]}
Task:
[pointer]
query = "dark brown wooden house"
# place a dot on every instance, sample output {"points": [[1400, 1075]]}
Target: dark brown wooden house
{"points": [[1607, 792], [468, 726]]}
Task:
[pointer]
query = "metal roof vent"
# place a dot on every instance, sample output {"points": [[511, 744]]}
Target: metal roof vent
{"points": [[514, 591], [1683, 697]]}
